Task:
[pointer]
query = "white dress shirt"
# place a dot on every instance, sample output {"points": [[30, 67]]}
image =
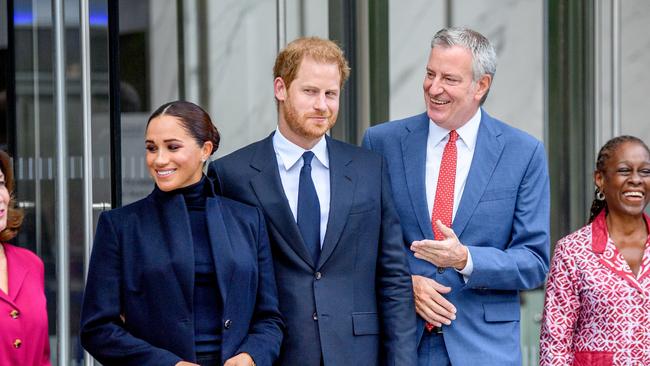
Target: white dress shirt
{"points": [[465, 146], [289, 157]]}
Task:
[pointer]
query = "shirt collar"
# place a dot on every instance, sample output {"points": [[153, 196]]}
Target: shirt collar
{"points": [[289, 153], [600, 234], [467, 133]]}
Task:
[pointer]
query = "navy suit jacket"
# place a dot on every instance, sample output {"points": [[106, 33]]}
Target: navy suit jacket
{"points": [[355, 306], [138, 307], [503, 218]]}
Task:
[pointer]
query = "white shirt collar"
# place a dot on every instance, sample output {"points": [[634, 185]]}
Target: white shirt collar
{"points": [[289, 153], [467, 133]]}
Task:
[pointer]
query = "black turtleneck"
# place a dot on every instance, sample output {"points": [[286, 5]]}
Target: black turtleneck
{"points": [[208, 308]]}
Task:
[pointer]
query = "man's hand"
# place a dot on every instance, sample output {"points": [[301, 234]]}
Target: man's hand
{"points": [[242, 359], [449, 252], [429, 302], [185, 363]]}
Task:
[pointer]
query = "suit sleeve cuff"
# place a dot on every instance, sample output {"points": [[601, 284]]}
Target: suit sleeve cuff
{"points": [[468, 269]]}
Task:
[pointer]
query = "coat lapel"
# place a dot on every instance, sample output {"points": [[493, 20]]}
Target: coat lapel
{"points": [[222, 251], [414, 154], [17, 272], [609, 256], [268, 189], [487, 153], [342, 184], [174, 222]]}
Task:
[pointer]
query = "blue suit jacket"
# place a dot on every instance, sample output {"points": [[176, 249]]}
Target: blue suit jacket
{"points": [[503, 218], [137, 306], [355, 306]]}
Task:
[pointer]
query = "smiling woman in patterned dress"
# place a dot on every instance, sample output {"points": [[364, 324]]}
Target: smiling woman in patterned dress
{"points": [[597, 308]]}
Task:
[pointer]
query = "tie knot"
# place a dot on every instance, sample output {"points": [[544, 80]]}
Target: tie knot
{"points": [[453, 136], [306, 158]]}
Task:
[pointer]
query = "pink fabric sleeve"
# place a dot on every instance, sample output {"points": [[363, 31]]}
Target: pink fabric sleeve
{"points": [[561, 308]]}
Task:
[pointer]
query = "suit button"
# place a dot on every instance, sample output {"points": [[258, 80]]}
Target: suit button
{"points": [[441, 270], [17, 343], [14, 314], [227, 323], [314, 316], [318, 275]]}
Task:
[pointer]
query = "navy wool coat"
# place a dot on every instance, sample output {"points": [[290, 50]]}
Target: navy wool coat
{"points": [[137, 307]]}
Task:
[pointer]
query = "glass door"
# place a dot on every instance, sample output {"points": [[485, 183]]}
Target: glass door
{"points": [[61, 158]]}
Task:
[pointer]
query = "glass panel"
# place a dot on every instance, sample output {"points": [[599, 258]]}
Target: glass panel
{"points": [[242, 47], [410, 31], [35, 143], [226, 57], [147, 35], [34, 155], [635, 58]]}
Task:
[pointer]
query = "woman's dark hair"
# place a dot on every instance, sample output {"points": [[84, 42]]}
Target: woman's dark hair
{"points": [[604, 155], [14, 215], [193, 119]]}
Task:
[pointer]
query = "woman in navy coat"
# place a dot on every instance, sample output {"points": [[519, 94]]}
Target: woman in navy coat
{"points": [[183, 276]]}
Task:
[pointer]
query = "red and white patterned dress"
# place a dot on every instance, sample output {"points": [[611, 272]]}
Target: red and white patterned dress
{"points": [[596, 312]]}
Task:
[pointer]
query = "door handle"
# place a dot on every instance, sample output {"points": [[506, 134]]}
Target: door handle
{"points": [[101, 206]]}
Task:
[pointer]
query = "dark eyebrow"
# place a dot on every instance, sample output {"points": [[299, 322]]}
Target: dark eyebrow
{"points": [[166, 141]]}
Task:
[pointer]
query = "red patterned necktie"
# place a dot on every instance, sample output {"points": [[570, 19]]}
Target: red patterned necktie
{"points": [[443, 206]]}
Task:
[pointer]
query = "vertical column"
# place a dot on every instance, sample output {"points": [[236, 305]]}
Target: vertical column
{"points": [[343, 28], [571, 104], [84, 15], [61, 188], [607, 78], [84, 23], [38, 162], [281, 14], [616, 67], [379, 50]]}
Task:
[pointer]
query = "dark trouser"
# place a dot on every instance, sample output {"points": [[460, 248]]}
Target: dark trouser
{"points": [[432, 350]]}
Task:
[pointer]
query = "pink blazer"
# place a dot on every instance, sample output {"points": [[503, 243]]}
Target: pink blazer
{"points": [[23, 314], [597, 312]]}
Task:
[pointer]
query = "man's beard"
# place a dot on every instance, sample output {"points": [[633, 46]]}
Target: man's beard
{"points": [[299, 123]]}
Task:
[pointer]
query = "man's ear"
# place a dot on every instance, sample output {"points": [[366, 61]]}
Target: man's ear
{"points": [[280, 89], [483, 86]]}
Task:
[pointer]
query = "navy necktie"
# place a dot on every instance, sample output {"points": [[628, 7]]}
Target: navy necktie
{"points": [[309, 209]]}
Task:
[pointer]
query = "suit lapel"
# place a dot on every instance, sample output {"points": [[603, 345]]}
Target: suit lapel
{"points": [[175, 225], [270, 194], [342, 186], [222, 251], [414, 154], [486, 156]]}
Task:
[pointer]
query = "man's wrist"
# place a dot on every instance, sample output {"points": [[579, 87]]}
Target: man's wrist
{"points": [[463, 262]]}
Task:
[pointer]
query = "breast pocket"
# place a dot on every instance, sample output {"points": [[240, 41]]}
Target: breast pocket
{"points": [[499, 194]]}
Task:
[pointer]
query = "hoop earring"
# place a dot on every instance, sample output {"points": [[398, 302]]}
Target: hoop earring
{"points": [[599, 194]]}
